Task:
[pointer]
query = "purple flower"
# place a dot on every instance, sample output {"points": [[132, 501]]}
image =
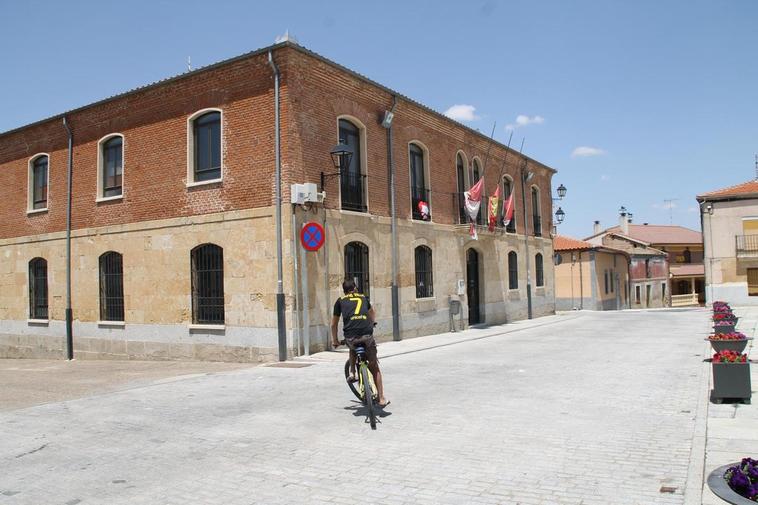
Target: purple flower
{"points": [[739, 482]]}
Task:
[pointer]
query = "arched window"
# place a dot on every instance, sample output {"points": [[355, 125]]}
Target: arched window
{"points": [[352, 187], [111, 287], [538, 270], [38, 181], [38, 289], [111, 158], [512, 270], [419, 184], [460, 171], [356, 265], [206, 147], [687, 255], [424, 272], [507, 192], [536, 216], [476, 175], [207, 284]]}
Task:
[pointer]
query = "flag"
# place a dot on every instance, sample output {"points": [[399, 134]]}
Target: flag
{"points": [[473, 202], [492, 209], [508, 210]]}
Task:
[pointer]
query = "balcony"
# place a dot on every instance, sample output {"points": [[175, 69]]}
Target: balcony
{"points": [[537, 223], [352, 192], [419, 194], [746, 246]]}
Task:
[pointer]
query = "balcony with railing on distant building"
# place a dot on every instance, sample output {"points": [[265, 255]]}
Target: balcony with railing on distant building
{"points": [[746, 246], [418, 195], [537, 225]]}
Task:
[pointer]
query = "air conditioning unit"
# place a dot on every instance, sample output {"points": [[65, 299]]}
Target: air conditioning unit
{"points": [[306, 193]]}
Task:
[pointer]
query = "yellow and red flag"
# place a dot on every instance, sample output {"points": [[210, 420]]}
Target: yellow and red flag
{"points": [[492, 209]]}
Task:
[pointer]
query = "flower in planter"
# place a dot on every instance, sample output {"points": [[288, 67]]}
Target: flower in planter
{"points": [[720, 316], [735, 335], [724, 322], [743, 478], [728, 356]]}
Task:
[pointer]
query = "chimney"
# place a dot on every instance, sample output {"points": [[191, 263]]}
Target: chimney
{"points": [[623, 223], [596, 228]]}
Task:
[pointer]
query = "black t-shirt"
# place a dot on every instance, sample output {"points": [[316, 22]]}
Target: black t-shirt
{"points": [[354, 309]]}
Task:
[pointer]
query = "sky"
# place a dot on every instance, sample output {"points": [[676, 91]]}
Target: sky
{"points": [[643, 104]]}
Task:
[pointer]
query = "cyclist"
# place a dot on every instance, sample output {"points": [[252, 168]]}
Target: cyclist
{"points": [[358, 327]]}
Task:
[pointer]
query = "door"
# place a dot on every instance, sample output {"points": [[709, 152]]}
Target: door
{"points": [[472, 286]]}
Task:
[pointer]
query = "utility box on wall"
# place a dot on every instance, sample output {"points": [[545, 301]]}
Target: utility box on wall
{"points": [[306, 193]]}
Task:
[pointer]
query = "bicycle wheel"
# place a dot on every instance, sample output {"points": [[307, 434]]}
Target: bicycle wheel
{"points": [[368, 398], [351, 385]]}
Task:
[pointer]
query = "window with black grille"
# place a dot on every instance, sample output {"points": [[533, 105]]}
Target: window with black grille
{"points": [[419, 189], [113, 166], [207, 146], [460, 170], [39, 182], [207, 284], [352, 180], [536, 217], [111, 287], [424, 272], [539, 270], [38, 289], [356, 266], [512, 270]]}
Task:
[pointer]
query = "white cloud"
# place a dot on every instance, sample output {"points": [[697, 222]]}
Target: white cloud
{"points": [[583, 151], [462, 112], [523, 120], [605, 177]]}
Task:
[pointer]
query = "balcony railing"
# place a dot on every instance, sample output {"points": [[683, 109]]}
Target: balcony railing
{"points": [[352, 191], [537, 225], [459, 201], [746, 246], [419, 195]]}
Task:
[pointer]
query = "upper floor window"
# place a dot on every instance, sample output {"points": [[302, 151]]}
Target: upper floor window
{"points": [[111, 170], [512, 270], [207, 284], [352, 179], [111, 287], [38, 289], [424, 272], [507, 192], [38, 182], [461, 173], [356, 266], [687, 255], [539, 270], [205, 147], [420, 201], [476, 175], [536, 215]]}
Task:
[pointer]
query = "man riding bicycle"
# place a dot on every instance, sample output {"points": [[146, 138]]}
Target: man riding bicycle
{"points": [[358, 327]]}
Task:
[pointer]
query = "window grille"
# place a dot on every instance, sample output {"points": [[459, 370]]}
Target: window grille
{"points": [[39, 182], [111, 287], [419, 190], [113, 161], [512, 270], [38, 289], [538, 269], [208, 284], [207, 146], [424, 272], [352, 180], [356, 265], [536, 219], [460, 170]]}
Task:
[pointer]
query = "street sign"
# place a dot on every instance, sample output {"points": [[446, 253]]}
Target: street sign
{"points": [[312, 236]]}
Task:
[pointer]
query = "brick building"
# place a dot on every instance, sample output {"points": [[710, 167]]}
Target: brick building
{"points": [[173, 222]]}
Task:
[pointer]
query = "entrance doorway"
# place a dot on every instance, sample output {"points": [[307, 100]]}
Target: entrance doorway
{"points": [[472, 286]]}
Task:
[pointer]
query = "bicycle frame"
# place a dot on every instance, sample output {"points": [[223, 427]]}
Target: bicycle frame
{"points": [[360, 362]]}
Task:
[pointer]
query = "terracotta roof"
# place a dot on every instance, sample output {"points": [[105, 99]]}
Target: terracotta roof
{"points": [[661, 234], [746, 188], [561, 243], [687, 270]]}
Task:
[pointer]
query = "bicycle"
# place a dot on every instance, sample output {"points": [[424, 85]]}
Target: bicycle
{"points": [[364, 383]]}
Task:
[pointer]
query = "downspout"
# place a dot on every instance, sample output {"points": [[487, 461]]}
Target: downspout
{"points": [[394, 289], [280, 305], [581, 282], [69, 312]]}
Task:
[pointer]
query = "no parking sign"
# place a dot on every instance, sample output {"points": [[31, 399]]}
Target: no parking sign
{"points": [[312, 236]]}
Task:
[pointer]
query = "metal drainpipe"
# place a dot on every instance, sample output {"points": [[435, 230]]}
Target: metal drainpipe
{"points": [[69, 312], [280, 305], [394, 289], [526, 243], [581, 283]]}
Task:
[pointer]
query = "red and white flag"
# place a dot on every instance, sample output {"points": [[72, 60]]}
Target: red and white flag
{"points": [[492, 209], [473, 203], [508, 210]]}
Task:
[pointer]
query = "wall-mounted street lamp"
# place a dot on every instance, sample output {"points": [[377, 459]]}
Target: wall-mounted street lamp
{"points": [[561, 191], [559, 215], [341, 156]]}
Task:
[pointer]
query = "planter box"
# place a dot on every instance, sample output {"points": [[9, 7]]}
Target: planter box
{"points": [[720, 487], [732, 320], [731, 345], [731, 380], [723, 329]]}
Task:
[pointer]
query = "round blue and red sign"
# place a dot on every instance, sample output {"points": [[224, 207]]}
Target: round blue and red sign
{"points": [[312, 236]]}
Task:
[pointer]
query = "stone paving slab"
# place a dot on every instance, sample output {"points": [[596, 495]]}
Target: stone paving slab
{"points": [[594, 409]]}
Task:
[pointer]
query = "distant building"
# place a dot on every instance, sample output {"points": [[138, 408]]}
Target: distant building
{"points": [[649, 268], [730, 233], [590, 276]]}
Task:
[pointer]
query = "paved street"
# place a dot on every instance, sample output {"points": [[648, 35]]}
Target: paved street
{"points": [[582, 408]]}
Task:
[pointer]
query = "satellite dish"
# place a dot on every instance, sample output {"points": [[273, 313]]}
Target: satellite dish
{"points": [[558, 259]]}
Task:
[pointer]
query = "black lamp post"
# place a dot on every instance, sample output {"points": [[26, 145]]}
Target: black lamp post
{"points": [[559, 215], [561, 191]]}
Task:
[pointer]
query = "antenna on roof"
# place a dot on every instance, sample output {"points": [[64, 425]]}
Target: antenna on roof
{"points": [[189, 63], [756, 167], [670, 204]]}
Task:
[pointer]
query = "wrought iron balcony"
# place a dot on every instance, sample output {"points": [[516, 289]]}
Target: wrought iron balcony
{"points": [[746, 246], [353, 192], [418, 194], [537, 225]]}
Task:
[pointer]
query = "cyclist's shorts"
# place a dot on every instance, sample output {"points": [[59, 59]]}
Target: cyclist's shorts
{"points": [[366, 341]]}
